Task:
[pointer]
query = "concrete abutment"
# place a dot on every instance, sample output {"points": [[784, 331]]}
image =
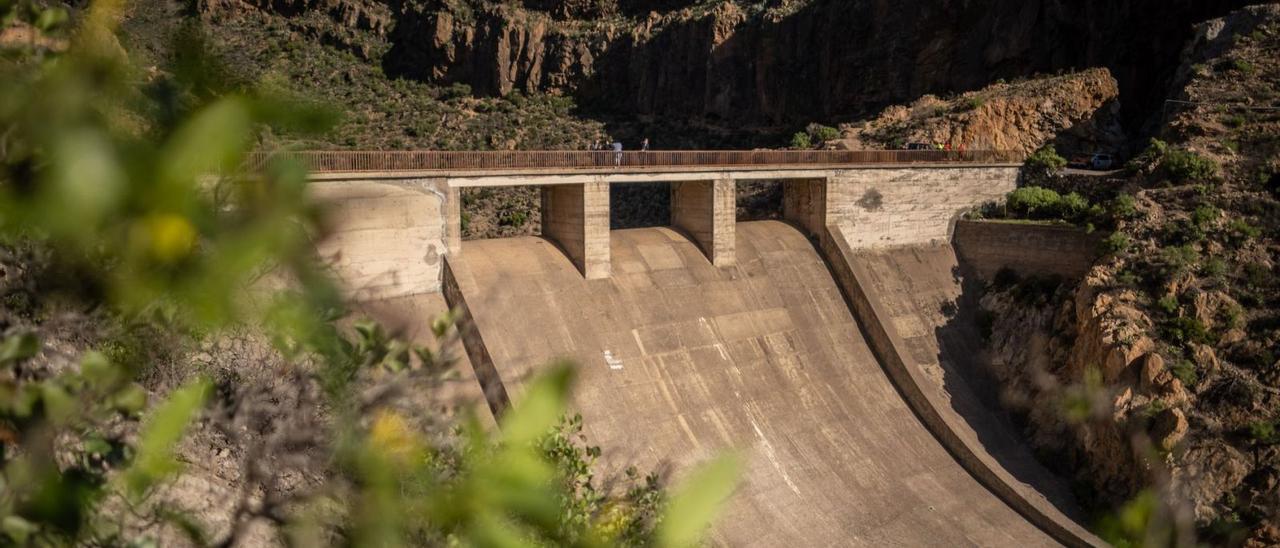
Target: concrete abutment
{"points": [[705, 210], [576, 217]]}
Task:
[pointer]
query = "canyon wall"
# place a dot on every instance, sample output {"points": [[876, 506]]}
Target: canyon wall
{"points": [[823, 60]]}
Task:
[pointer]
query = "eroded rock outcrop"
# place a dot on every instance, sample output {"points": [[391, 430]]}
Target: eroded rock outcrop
{"points": [[1078, 111]]}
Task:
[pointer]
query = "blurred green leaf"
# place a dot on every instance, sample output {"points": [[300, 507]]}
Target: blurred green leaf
{"points": [[542, 407], [19, 346], [59, 406], [98, 370], [87, 184], [18, 529], [131, 399], [51, 18], [211, 142], [698, 502], [163, 429]]}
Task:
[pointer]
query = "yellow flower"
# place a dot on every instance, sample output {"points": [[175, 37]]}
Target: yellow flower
{"points": [[171, 237], [391, 437]]}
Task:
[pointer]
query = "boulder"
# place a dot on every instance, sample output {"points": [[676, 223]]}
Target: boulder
{"points": [[1169, 428]]}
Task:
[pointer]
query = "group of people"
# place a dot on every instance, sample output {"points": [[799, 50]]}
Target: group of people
{"points": [[616, 147]]}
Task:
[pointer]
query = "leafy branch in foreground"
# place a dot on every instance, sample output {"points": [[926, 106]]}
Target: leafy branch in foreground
{"points": [[142, 212]]}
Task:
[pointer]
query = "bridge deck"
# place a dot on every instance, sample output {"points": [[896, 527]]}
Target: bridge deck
{"points": [[543, 162]]}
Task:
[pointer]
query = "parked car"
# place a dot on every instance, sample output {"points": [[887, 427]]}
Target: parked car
{"points": [[1102, 161]]}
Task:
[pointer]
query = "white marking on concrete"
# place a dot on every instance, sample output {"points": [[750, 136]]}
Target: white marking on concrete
{"points": [[773, 458], [688, 432], [636, 333], [614, 363]]}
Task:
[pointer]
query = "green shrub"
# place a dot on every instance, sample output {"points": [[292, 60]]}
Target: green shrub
{"points": [[1233, 316], [1179, 259], [1184, 166], [821, 133], [801, 141], [1115, 242], [1184, 370], [1127, 278], [1183, 231], [1073, 207], [1204, 215], [1124, 207], [971, 103], [1045, 160], [1240, 65], [1257, 275], [515, 219], [1239, 231], [1033, 202], [1185, 329], [1151, 157], [1265, 432], [1234, 121], [1214, 268], [1169, 304]]}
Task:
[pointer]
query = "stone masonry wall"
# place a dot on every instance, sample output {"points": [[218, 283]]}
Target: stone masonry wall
{"points": [[387, 237], [904, 206], [1028, 249]]}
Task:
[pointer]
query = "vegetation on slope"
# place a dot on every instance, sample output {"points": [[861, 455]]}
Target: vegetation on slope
{"points": [[172, 368], [1165, 357]]}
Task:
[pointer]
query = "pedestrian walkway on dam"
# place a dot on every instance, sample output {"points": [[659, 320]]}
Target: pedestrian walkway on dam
{"points": [[554, 161], [680, 360]]}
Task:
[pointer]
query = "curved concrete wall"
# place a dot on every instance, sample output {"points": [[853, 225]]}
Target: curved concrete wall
{"points": [[892, 353], [388, 237]]}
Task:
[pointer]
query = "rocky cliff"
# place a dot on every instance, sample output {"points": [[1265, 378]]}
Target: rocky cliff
{"points": [[1077, 112], [795, 62], [1159, 370]]}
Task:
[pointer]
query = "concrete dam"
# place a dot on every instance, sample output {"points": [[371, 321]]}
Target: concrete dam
{"points": [[826, 345]]}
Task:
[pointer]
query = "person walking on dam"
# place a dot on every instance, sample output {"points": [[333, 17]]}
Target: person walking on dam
{"points": [[617, 153]]}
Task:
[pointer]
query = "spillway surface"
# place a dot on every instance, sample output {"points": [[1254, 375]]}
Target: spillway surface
{"points": [[680, 360]]}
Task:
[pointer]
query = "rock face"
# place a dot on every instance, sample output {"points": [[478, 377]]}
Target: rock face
{"points": [[826, 59], [1078, 112]]}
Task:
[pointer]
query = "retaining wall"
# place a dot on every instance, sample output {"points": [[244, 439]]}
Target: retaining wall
{"points": [[1028, 249], [904, 206]]}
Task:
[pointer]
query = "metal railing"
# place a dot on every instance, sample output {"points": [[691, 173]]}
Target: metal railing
{"points": [[378, 161]]}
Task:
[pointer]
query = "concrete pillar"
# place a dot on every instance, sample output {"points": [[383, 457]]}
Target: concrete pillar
{"points": [[804, 202], [707, 211], [577, 218]]}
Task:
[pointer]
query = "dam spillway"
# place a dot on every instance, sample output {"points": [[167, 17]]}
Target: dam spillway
{"points": [[679, 360]]}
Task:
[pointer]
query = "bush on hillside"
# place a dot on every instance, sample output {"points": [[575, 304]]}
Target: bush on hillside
{"points": [[1033, 202], [1045, 160], [820, 133], [1184, 166], [1124, 207], [1149, 159], [1116, 242], [801, 141]]}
